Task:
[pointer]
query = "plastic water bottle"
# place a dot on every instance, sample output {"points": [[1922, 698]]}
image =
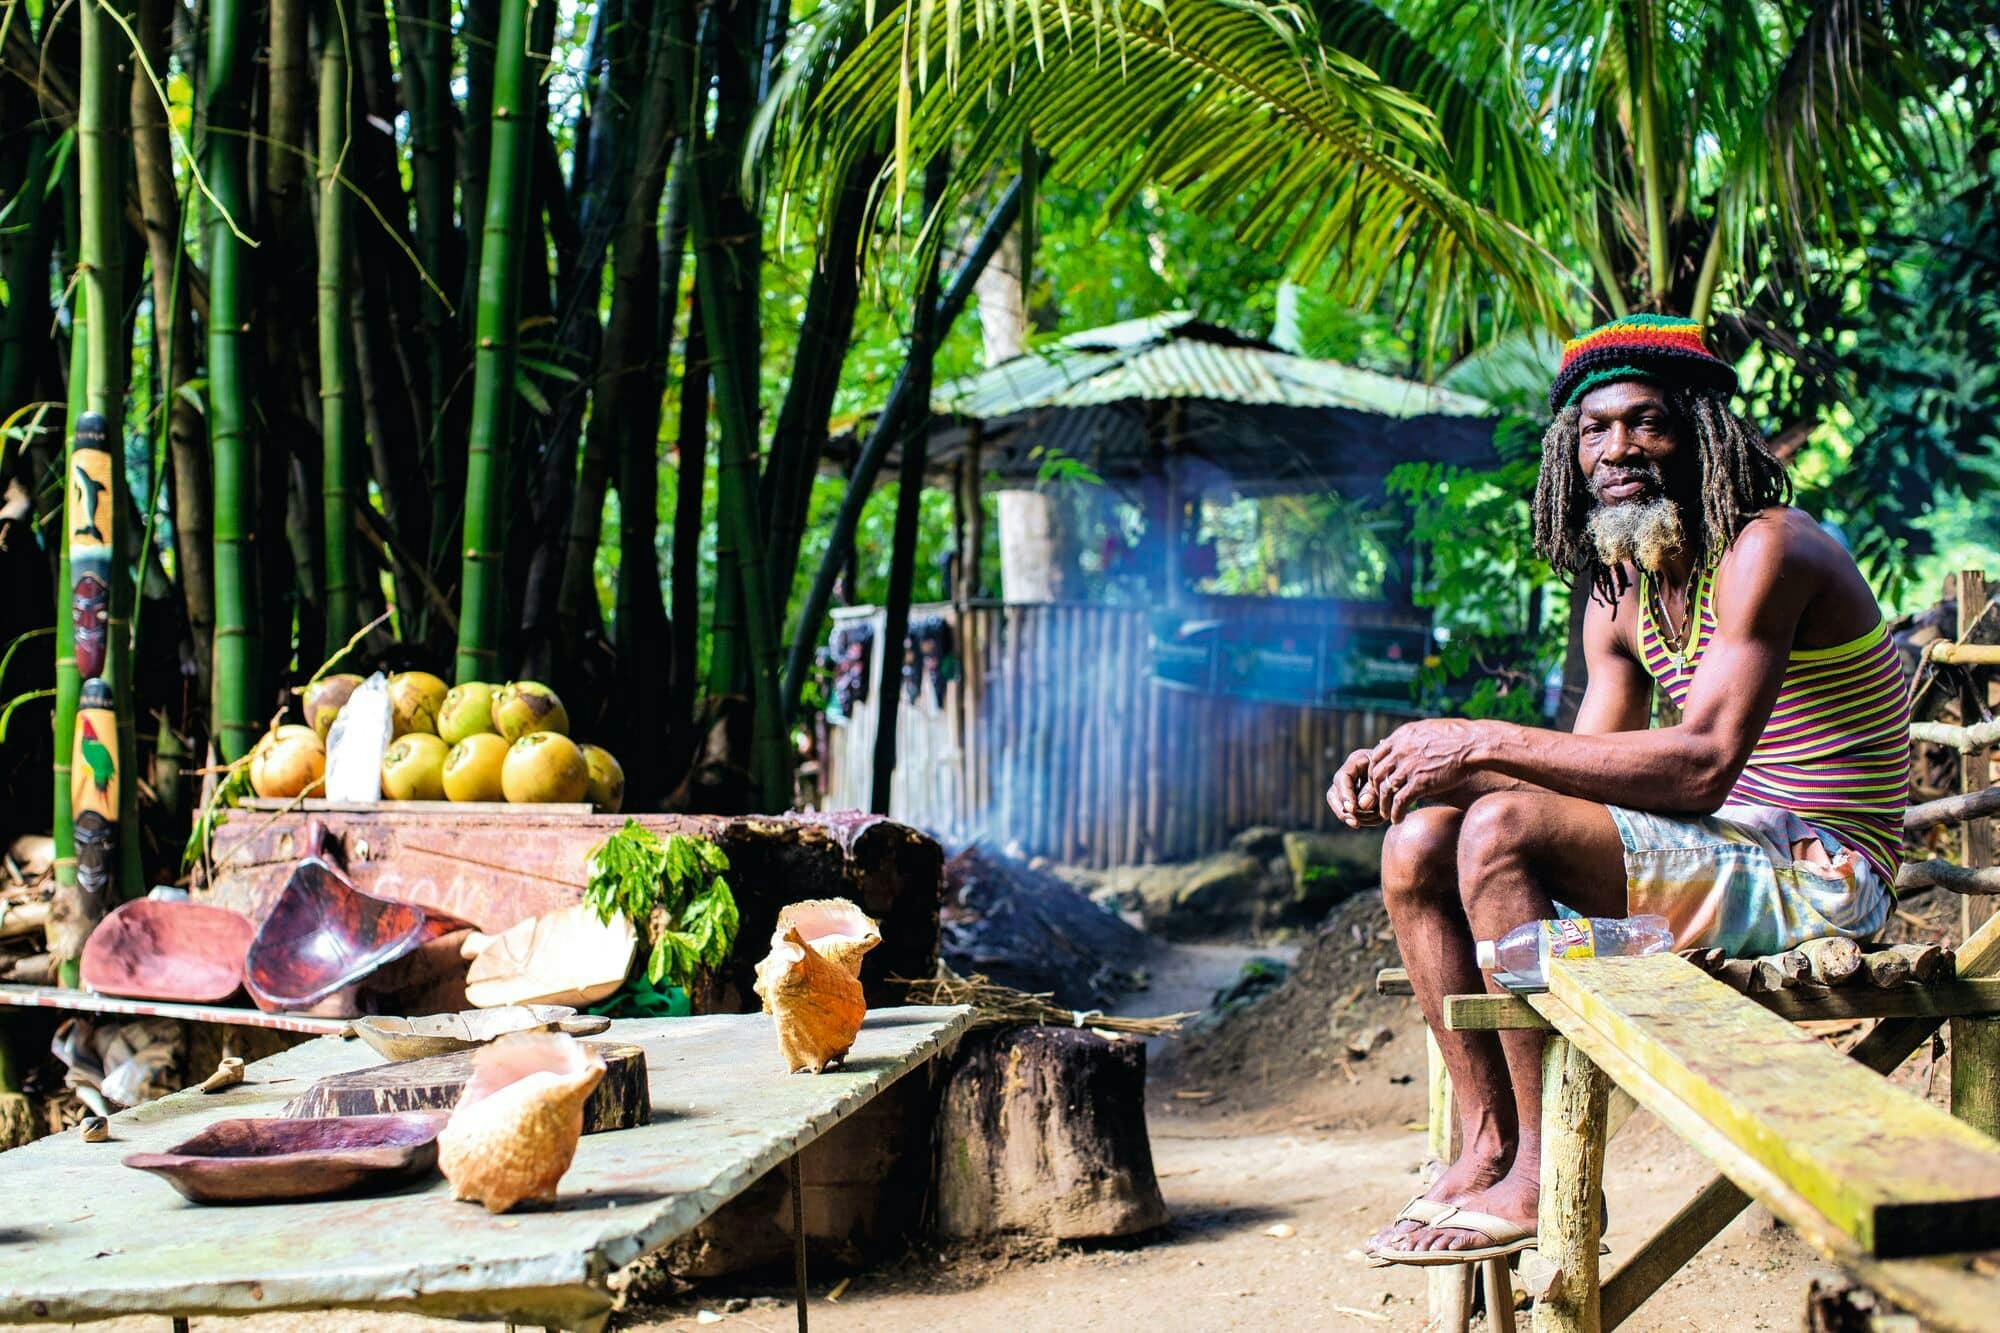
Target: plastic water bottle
{"points": [[355, 742], [1520, 957]]}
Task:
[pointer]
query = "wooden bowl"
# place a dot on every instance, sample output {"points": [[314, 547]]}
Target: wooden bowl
{"points": [[440, 1034], [278, 1159], [150, 949], [324, 937]]}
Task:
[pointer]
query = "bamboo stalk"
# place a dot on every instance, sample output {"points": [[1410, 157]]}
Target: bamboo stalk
{"points": [[1963, 654], [238, 637], [68, 683], [495, 351], [340, 436], [1966, 740], [1952, 809]]}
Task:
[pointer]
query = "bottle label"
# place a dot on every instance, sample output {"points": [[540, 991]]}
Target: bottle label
{"points": [[1568, 938]]}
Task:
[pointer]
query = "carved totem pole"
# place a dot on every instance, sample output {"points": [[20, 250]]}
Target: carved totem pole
{"points": [[94, 776]]}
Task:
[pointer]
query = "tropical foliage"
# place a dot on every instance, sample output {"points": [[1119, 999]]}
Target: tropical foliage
{"points": [[528, 325]]}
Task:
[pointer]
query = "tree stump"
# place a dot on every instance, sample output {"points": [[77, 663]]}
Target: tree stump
{"points": [[1043, 1131]]}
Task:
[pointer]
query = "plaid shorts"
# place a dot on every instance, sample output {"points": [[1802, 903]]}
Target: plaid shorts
{"points": [[1736, 880]]}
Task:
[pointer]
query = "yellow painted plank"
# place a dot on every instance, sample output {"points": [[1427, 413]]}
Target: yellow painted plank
{"points": [[1945, 1292], [1895, 1175], [1500, 1013]]}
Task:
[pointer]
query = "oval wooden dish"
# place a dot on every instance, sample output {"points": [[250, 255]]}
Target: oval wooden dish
{"points": [[440, 1034], [281, 1159]]}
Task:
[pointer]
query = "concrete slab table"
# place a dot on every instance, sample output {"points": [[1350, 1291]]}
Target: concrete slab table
{"points": [[83, 1237]]}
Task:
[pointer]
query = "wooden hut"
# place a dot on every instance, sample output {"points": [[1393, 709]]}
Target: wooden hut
{"points": [[1154, 727]]}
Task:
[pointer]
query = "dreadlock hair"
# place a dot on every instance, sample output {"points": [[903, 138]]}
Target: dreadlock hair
{"points": [[1739, 478]]}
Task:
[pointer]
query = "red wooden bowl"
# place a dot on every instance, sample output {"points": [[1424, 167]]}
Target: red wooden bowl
{"points": [[279, 1159], [324, 936], [156, 950]]}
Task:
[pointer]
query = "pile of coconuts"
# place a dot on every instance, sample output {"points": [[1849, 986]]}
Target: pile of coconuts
{"points": [[471, 742]]}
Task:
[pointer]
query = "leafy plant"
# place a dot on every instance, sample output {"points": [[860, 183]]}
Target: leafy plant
{"points": [[672, 889]]}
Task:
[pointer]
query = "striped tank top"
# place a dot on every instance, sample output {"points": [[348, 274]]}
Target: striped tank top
{"points": [[1836, 750]]}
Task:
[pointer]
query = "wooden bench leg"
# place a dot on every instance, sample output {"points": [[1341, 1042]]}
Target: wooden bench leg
{"points": [[1450, 1289], [1499, 1295], [1975, 1073], [1574, 1094]]}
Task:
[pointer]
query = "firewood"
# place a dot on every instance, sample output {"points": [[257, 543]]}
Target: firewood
{"points": [[1929, 963], [1737, 973], [1835, 961], [1708, 960], [1781, 971], [1887, 969]]}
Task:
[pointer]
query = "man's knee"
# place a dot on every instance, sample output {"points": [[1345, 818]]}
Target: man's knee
{"points": [[1498, 832], [1420, 852]]}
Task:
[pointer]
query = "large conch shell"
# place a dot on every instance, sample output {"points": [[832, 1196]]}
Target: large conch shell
{"points": [[514, 1130], [811, 980]]}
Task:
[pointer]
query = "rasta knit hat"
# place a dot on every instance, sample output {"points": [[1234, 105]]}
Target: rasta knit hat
{"points": [[1661, 349]]}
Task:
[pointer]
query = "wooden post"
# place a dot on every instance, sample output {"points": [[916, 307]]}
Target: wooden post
{"points": [[1975, 1073], [1975, 770], [975, 518], [1574, 1096], [1450, 1288]]}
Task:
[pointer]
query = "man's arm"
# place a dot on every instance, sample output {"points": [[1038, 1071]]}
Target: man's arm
{"points": [[1617, 697], [1759, 596]]}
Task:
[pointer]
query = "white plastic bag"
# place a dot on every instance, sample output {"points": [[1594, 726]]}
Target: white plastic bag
{"points": [[355, 742]]}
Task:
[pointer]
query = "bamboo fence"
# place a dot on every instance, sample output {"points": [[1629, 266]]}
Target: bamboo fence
{"points": [[1057, 740]]}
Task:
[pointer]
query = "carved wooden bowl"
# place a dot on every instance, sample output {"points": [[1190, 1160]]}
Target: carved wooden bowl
{"points": [[324, 936], [277, 1159], [440, 1034], [149, 949]]}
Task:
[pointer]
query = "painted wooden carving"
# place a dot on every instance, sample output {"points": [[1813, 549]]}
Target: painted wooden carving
{"points": [[90, 523], [94, 776]]}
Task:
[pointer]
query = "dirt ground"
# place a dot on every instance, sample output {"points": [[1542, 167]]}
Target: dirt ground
{"points": [[1320, 1146]]}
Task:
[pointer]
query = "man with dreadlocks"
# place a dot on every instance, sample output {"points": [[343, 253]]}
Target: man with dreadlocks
{"points": [[1769, 814]]}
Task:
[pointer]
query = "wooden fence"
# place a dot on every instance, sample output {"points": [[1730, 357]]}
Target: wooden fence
{"points": [[1056, 740]]}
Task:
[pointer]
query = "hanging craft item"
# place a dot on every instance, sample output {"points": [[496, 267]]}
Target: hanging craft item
{"points": [[848, 653], [937, 649], [94, 779]]}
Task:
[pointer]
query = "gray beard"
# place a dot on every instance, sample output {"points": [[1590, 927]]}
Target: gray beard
{"points": [[1644, 533]]}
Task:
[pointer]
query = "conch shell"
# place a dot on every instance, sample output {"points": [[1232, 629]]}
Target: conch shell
{"points": [[514, 1130], [811, 982], [837, 930]]}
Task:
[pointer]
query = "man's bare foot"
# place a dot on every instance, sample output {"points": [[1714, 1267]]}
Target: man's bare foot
{"points": [[1477, 1168], [1512, 1198]]}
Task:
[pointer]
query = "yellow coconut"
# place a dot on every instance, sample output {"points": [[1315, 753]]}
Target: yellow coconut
{"points": [[324, 698], [523, 707], [467, 711], [607, 779], [414, 700], [472, 769], [413, 768], [288, 762], [543, 767]]}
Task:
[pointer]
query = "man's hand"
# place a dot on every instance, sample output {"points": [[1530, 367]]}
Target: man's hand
{"points": [[1421, 761], [1352, 796]]}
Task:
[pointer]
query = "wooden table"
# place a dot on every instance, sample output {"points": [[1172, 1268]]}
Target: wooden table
{"points": [[82, 1237]]}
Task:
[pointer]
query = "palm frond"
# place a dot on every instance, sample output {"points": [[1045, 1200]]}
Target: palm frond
{"points": [[1223, 102]]}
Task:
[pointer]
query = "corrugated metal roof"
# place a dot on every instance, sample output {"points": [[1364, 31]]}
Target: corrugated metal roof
{"points": [[1175, 356]]}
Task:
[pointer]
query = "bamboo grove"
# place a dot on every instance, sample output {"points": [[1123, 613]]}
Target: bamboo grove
{"points": [[407, 290]]}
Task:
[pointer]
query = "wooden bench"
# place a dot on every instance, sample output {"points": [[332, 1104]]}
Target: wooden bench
{"points": [[1705, 1059]]}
